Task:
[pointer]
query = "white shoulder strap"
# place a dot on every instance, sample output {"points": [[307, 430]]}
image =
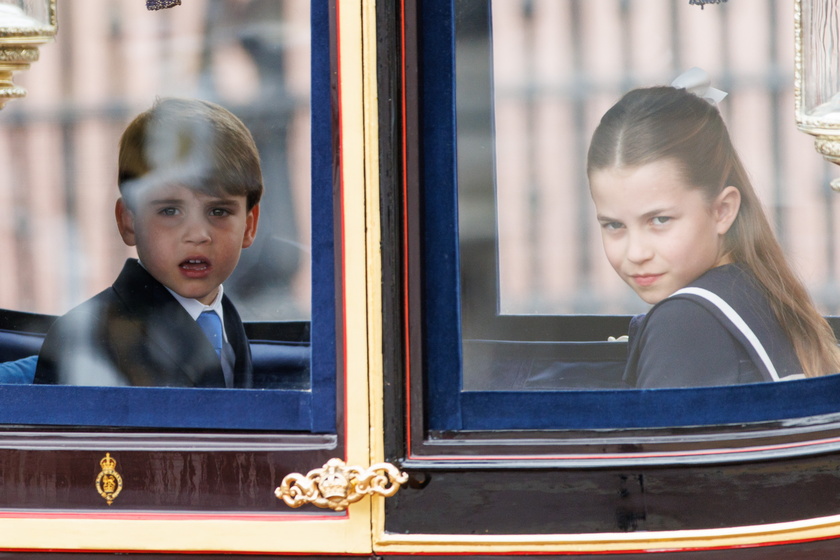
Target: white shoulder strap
{"points": [[736, 319]]}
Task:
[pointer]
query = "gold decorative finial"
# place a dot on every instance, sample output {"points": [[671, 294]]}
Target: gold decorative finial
{"points": [[20, 36]]}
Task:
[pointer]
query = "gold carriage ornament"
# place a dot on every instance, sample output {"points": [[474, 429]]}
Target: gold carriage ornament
{"points": [[25, 25], [336, 486], [109, 483], [817, 75]]}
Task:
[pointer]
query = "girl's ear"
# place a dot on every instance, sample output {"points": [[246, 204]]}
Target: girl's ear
{"points": [[125, 222], [726, 207]]}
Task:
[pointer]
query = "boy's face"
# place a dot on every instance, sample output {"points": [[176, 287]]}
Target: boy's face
{"points": [[189, 241]]}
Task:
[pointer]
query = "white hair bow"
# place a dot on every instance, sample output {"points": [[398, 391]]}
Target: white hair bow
{"points": [[697, 81]]}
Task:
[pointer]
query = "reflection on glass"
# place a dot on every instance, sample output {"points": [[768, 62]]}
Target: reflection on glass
{"points": [[821, 72], [534, 77], [24, 13], [111, 59], [190, 186], [817, 77]]}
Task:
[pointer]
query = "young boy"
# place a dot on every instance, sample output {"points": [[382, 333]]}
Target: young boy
{"points": [[190, 186]]}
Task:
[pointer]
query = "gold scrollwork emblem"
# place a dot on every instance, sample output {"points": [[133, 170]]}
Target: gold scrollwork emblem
{"points": [[109, 482], [336, 486]]}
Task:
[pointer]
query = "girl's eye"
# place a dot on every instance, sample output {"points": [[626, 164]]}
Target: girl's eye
{"points": [[612, 226], [661, 220]]}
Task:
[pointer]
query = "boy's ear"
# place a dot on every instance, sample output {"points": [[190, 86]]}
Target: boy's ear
{"points": [[125, 222], [726, 207], [251, 221]]}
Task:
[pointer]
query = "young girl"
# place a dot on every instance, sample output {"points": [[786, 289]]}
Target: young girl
{"points": [[682, 226]]}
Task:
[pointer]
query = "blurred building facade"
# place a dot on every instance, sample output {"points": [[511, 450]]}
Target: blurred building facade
{"points": [[559, 65], [110, 61], [554, 67]]}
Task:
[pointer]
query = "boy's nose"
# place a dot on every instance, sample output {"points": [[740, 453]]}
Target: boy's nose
{"points": [[196, 231]]}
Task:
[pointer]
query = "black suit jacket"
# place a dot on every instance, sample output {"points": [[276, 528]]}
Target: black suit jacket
{"points": [[136, 333]]}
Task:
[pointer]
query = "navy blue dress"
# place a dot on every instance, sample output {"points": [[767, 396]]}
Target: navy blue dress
{"points": [[688, 341]]}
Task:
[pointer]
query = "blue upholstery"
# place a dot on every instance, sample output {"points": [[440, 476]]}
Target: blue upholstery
{"points": [[325, 185], [157, 407], [280, 366], [440, 282], [644, 408], [16, 345], [276, 366], [18, 356], [18, 371]]}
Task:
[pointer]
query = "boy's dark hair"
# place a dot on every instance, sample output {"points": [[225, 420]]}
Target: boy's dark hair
{"points": [[193, 143]]}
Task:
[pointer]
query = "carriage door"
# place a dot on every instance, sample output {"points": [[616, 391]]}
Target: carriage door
{"points": [[281, 468], [502, 323]]}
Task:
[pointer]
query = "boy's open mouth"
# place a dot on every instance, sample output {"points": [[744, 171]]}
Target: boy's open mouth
{"points": [[195, 264]]}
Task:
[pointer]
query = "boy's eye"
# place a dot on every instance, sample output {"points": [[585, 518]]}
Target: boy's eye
{"points": [[660, 220], [612, 226], [218, 212], [168, 211]]}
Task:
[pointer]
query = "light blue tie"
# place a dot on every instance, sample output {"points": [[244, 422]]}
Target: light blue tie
{"points": [[211, 324]]}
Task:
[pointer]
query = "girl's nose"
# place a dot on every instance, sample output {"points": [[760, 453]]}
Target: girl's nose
{"points": [[639, 249]]}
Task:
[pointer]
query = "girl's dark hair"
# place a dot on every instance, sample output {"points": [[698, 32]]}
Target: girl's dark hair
{"points": [[652, 124]]}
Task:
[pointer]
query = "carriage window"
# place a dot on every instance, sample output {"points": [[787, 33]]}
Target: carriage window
{"points": [[535, 297], [108, 64], [265, 61]]}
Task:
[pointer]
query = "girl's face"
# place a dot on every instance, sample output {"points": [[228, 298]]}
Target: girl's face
{"points": [[660, 235]]}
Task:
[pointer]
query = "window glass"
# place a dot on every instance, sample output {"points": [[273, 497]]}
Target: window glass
{"points": [[110, 60], [555, 67], [58, 153], [530, 307]]}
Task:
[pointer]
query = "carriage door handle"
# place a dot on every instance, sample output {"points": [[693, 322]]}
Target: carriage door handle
{"points": [[336, 485]]}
